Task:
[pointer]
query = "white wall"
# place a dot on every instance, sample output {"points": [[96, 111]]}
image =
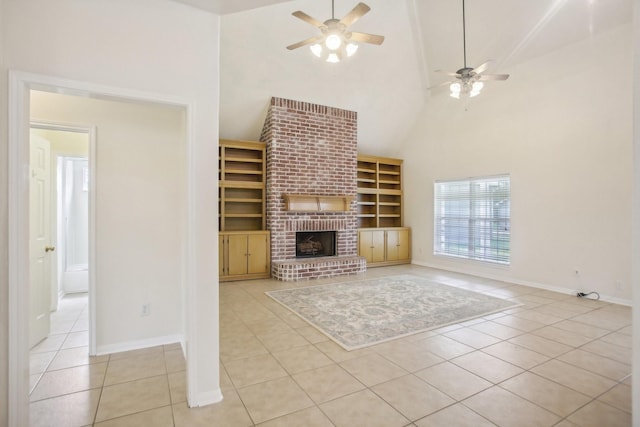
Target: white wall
{"points": [[139, 212], [561, 126], [147, 47]]}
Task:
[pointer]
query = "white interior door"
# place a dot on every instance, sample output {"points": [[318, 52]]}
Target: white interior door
{"points": [[39, 239]]}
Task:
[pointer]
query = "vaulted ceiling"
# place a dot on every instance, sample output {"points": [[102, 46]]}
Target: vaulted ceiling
{"points": [[387, 84]]}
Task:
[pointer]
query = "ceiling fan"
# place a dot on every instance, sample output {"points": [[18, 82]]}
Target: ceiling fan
{"points": [[468, 80], [335, 41]]}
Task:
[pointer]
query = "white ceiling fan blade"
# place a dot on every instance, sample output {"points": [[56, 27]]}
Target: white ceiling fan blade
{"points": [[306, 18], [448, 73], [355, 14], [494, 77], [441, 85], [310, 40], [481, 68], [367, 38]]}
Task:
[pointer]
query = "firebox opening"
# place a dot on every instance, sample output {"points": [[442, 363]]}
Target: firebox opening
{"points": [[315, 244]]}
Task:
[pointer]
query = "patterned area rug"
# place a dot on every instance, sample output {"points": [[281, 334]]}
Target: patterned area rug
{"points": [[360, 314]]}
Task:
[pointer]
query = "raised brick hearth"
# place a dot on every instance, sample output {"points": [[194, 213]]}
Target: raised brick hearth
{"points": [[311, 150]]}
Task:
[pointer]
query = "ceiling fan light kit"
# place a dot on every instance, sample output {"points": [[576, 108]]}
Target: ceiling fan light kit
{"points": [[468, 81], [335, 42]]}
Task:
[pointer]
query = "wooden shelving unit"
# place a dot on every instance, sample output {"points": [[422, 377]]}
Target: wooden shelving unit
{"points": [[244, 243], [379, 192], [242, 185], [382, 239]]}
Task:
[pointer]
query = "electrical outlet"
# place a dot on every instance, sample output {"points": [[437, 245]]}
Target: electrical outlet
{"points": [[146, 310]]}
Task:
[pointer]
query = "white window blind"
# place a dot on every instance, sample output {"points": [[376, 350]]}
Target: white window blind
{"points": [[473, 218]]}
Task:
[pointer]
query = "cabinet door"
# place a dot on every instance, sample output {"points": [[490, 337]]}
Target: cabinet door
{"points": [[258, 245], [222, 268], [371, 245], [237, 254], [397, 245]]}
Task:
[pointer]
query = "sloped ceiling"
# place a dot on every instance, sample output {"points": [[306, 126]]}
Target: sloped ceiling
{"points": [[386, 85]]}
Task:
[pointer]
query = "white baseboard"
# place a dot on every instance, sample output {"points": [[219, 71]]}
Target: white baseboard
{"points": [[204, 399], [568, 291], [139, 344]]}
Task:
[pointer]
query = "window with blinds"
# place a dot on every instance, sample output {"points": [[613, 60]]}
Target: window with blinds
{"points": [[472, 218]]}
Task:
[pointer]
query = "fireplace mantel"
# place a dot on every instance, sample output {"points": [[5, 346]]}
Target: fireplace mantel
{"points": [[308, 203]]}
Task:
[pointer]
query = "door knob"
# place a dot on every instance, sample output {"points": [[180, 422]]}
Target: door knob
{"points": [[49, 248]]}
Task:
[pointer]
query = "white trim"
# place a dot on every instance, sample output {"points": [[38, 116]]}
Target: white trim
{"points": [[567, 291], [139, 344], [204, 399], [20, 83], [90, 130]]}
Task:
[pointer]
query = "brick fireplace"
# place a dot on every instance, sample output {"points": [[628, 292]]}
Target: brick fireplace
{"points": [[311, 150]]}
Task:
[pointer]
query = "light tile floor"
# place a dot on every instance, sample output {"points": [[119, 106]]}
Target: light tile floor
{"points": [[556, 360]]}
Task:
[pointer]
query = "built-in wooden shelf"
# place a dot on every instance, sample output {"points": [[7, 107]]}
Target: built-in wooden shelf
{"points": [[307, 203]]}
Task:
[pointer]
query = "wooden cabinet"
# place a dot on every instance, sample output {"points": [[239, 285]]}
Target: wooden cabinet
{"points": [[386, 246], [382, 239], [379, 192], [241, 185], [244, 255], [244, 244]]}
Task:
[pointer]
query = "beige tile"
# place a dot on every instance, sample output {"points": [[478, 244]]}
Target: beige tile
{"points": [[51, 343], [618, 397], [327, 383], [592, 332], [71, 380], [486, 366], [160, 417], [178, 386], [597, 364], [444, 347], [516, 355], [506, 409], [253, 370], [310, 417], [454, 416], [239, 347], [373, 369], [339, 354], [573, 377], [174, 360], [605, 319], [132, 397], [172, 346], [273, 399], [269, 326], [552, 396], [609, 350], [363, 409], [453, 380], [133, 368], [520, 323], [562, 336], [312, 335], [77, 356], [407, 355], [598, 414], [76, 339], [38, 362], [541, 345], [497, 330], [472, 338], [147, 351], [300, 359], [619, 339], [77, 409], [412, 397], [229, 412], [283, 341]]}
